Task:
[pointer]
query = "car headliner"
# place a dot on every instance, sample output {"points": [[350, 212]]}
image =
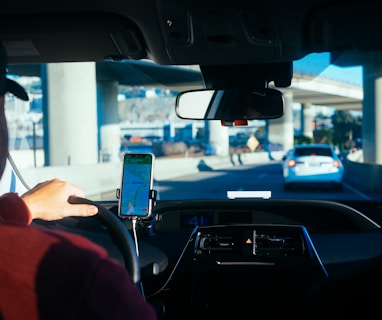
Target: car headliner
{"points": [[184, 32]]}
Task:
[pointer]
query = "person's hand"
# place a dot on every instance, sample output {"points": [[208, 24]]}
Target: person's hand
{"points": [[49, 201]]}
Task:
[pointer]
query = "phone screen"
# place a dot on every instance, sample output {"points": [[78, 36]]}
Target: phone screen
{"points": [[136, 186]]}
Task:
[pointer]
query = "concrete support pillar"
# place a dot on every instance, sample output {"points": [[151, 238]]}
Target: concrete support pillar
{"points": [[281, 130], [168, 131], [306, 119], [108, 121], [218, 137], [71, 102], [372, 113], [107, 96]]}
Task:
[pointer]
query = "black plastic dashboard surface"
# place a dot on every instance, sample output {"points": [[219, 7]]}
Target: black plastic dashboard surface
{"points": [[315, 215]]}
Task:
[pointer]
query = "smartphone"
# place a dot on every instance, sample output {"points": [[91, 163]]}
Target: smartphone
{"points": [[135, 195]]}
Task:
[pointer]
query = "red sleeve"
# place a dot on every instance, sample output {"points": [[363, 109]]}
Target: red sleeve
{"points": [[14, 210], [93, 287], [111, 294]]}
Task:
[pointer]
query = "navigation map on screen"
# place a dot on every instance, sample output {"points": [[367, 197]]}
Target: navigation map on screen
{"points": [[136, 185]]}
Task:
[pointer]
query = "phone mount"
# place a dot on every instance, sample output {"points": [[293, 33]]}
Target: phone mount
{"points": [[153, 197], [134, 219]]}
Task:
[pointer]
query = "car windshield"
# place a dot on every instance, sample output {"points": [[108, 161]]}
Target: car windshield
{"points": [[77, 127], [312, 151]]}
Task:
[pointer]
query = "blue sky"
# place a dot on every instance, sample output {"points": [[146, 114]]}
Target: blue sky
{"points": [[319, 64]]}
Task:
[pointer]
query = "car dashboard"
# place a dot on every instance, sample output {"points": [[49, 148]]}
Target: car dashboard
{"points": [[243, 267], [248, 255]]}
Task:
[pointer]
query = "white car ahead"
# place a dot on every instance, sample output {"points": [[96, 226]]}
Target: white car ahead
{"points": [[312, 164]]}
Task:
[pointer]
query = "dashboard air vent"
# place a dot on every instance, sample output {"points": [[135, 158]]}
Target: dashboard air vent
{"points": [[277, 244], [216, 242]]}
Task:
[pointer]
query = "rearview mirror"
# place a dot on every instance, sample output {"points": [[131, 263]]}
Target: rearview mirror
{"points": [[229, 105]]}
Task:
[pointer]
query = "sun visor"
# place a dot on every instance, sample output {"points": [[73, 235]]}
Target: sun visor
{"points": [[42, 38], [333, 28]]}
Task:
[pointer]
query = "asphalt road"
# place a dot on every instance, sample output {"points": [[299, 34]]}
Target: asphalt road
{"points": [[261, 177]]}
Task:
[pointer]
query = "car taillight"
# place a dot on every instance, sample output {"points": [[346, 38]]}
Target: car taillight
{"points": [[336, 163], [291, 163]]}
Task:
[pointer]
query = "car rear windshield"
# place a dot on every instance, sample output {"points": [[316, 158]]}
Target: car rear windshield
{"points": [[313, 152]]}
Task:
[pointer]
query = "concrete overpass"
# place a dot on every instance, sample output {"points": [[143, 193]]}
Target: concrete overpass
{"points": [[308, 89]]}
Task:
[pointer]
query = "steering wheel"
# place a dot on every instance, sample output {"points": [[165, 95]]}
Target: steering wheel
{"points": [[119, 234]]}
